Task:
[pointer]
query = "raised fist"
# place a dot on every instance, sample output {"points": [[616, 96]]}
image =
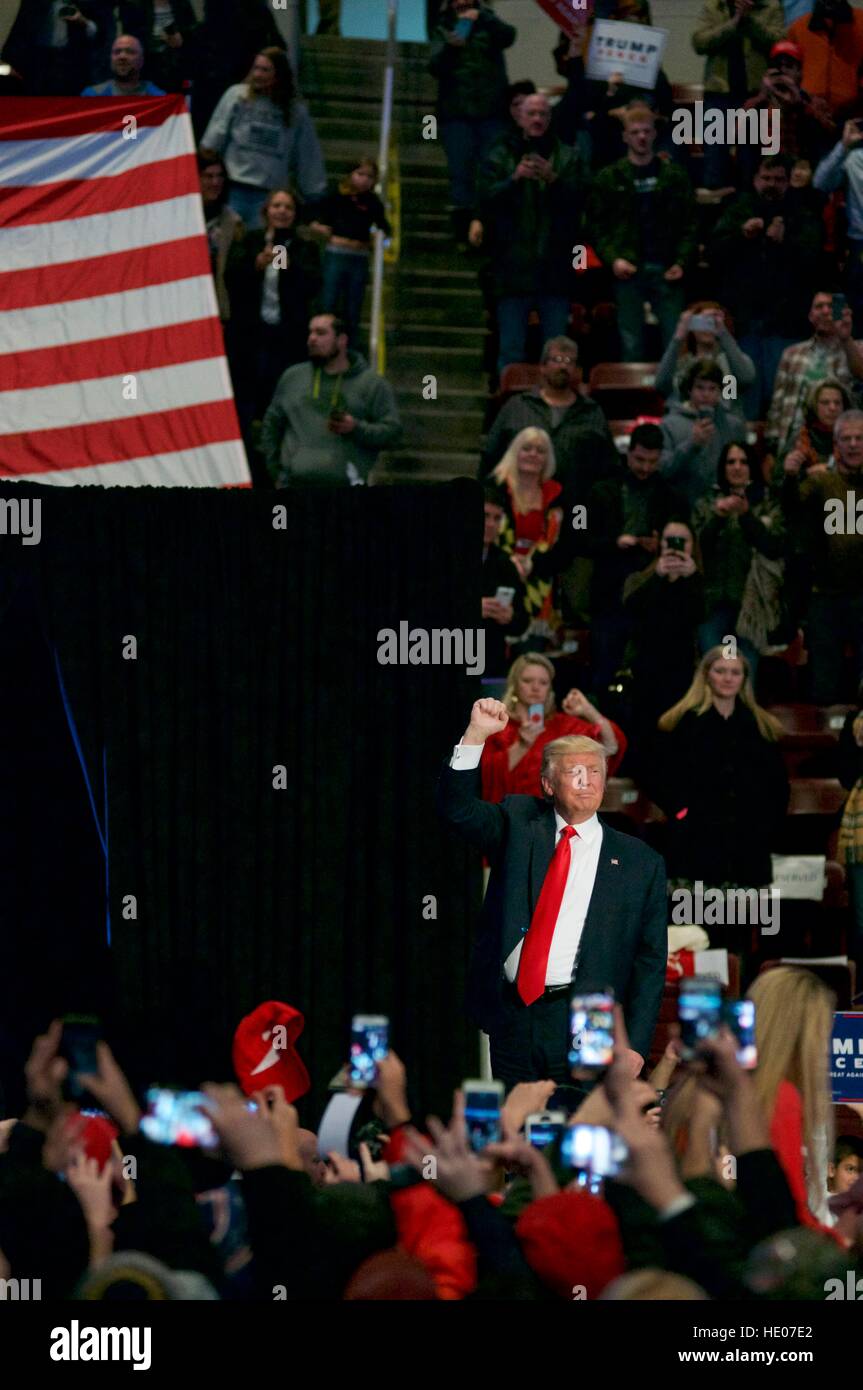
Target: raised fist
{"points": [[488, 717]]}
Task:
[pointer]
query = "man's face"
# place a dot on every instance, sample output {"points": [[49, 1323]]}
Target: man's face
{"points": [[849, 446], [491, 525], [640, 137], [704, 394], [643, 462], [577, 785], [821, 313], [323, 344], [771, 182], [789, 67], [212, 182], [559, 369], [127, 56], [534, 116], [846, 1173]]}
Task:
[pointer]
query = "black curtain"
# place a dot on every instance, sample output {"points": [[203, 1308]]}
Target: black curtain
{"points": [[257, 647]]}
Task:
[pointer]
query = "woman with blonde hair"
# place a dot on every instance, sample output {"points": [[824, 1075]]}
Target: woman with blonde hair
{"points": [[512, 759], [719, 775], [530, 496], [793, 1023]]}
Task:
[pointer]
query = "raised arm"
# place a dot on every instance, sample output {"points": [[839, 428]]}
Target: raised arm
{"points": [[482, 823]]}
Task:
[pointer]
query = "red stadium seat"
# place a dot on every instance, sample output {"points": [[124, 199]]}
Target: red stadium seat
{"points": [[816, 796], [625, 389]]}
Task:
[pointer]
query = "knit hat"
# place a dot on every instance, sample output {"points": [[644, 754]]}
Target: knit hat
{"points": [[264, 1052], [571, 1239]]}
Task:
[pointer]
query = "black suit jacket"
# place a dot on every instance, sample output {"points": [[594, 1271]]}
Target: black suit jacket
{"points": [[625, 939]]}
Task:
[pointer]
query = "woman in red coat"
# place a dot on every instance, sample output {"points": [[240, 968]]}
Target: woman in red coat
{"points": [[511, 759]]}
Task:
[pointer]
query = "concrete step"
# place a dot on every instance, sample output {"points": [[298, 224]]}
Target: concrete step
{"points": [[461, 400], [453, 367], [417, 465], [435, 428], [410, 332]]}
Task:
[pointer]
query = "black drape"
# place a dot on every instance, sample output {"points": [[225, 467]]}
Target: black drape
{"points": [[257, 647]]}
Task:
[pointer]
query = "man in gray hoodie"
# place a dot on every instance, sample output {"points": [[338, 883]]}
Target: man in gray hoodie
{"points": [[695, 432], [329, 417]]}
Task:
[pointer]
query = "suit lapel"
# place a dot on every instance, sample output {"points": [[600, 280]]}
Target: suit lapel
{"points": [[604, 892], [541, 851]]}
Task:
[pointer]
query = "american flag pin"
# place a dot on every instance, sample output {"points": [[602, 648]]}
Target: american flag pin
{"points": [[616, 861]]}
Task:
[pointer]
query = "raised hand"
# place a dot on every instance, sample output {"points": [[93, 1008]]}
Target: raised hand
{"points": [[486, 718]]}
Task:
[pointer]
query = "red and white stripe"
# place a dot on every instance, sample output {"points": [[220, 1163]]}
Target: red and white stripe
{"points": [[112, 364]]}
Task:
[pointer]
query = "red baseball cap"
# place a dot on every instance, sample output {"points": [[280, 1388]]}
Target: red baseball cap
{"points": [[789, 48]]}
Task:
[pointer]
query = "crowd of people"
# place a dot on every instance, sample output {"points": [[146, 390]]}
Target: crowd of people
{"points": [[730, 1184], [691, 548]]}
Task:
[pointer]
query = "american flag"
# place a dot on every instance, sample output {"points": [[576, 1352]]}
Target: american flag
{"points": [[112, 365]]}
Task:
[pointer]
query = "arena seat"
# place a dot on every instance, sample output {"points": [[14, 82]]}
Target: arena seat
{"points": [[840, 978], [816, 796], [623, 797], [626, 389]]}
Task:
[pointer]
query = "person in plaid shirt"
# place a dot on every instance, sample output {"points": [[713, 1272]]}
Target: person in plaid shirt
{"points": [[830, 352]]}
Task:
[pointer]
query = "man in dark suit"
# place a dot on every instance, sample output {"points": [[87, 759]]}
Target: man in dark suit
{"points": [[572, 906]]}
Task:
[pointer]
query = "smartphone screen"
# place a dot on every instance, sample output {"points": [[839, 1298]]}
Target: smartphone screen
{"points": [[740, 1017], [839, 306], [369, 1043], [176, 1117], [482, 1102], [699, 1009], [541, 1130], [81, 1033], [591, 1030], [593, 1150], [536, 714]]}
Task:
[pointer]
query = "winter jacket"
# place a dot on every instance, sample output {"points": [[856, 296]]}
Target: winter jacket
{"points": [[728, 543], [531, 226], [472, 79], [831, 60], [690, 467], [295, 440], [583, 447], [764, 281], [715, 29], [612, 222]]}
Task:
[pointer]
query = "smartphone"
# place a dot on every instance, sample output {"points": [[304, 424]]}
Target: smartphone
{"points": [[591, 1030], [840, 304], [66, 11], [536, 714], [593, 1150], [544, 1127], [739, 1014], [676, 543], [705, 412], [370, 1041], [171, 28], [699, 1009], [178, 1117], [504, 595], [463, 27], [337, 414], [482, 1102], [702, 323], [81, 1032]]}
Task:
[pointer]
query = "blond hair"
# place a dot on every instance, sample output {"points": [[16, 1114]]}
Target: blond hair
{"points": [[571, 743], [793, 1022], [506, 472], [511, 696], [699, 697]]}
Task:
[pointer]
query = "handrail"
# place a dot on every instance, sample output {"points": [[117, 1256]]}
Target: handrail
{"points": [[376, 337]]}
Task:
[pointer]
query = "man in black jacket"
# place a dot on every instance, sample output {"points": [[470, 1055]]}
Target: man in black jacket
{"points": [[609, 917], [584, 450]]}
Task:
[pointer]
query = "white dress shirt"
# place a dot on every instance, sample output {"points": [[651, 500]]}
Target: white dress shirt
{"points": [[584, 848]]}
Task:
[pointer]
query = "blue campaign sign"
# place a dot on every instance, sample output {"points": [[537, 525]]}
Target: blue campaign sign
{"points": [[846, 1058]]}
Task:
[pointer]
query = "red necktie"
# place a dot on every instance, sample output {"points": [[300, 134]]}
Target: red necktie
{"points": [[533, 962]]}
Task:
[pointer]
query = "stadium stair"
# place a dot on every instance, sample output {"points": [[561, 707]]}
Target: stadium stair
{"points": [[432, 304]]}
